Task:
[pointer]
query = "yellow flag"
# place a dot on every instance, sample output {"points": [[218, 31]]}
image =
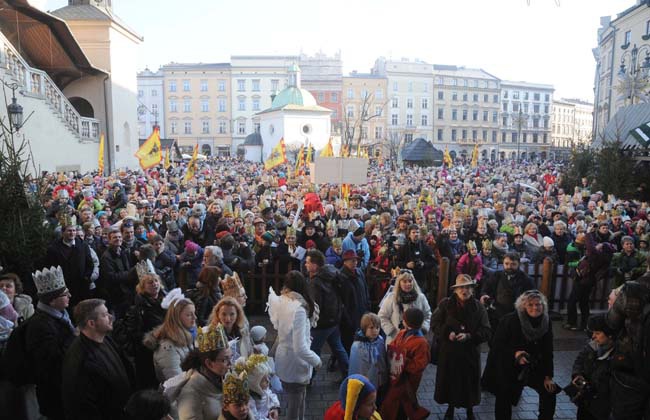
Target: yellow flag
{"points": [[277, 157], [100, 160], [191, 166], [300, 161], [447, 158], [308, 160], [328, 150], [168, 162], [150, 153], [475, 156]]}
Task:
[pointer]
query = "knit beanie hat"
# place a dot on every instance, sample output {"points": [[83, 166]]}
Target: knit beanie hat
{"points": [[548, 242], [191, 246]]}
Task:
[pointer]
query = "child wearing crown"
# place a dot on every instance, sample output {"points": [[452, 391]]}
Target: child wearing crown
{"points": [[264, 404], [236, 397]]}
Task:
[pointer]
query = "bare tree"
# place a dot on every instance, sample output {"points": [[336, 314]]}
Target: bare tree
{"points": [[356, 124]]}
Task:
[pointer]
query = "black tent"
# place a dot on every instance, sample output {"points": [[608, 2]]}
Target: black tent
{"points": [[421, 152]]}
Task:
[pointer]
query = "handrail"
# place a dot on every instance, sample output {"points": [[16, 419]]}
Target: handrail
{"points": [[37, 83]]}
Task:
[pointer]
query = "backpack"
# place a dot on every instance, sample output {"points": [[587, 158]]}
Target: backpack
{"points": [[17, 366]]}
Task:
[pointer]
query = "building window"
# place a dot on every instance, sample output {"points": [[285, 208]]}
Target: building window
{"points": [[256, 85], [495, 98], [535, 137], [154, 92], [465, 115], [188, 127], [378, 133], [242, 104], [393, 119], [187, 106], [485, 135], [505, 94], [453, 134], [454, 82], [410, 86], [425, 103], [546, 109], [256, 127], [256, 104], [475, 97], [364, 94], [464, 135], [140, 93], [439, 134], [464, 96], [547, 97], [350, 93], [186, 85], [379, 94], [545, 138], [425, 120], [172, 85], [222, 86], [513, 137], [503, 137], [525, 96], [378, 111], [474, 135], [334, 97], [321, 97], [409, 103], [425, 86], [465, 82], [441, 113], [524, 137], [173, 107], [505, 106], [172, 126], [438, 80], [647, 28], [454, 96], [154, 110], [475, 115], [536, 96], [526, 108], [241, 85], [515, 107], [505, 121], [364, 133], [222, 104], [494, 136], [486, 115], [495, 116], [454, 114], [205, 127], [241, 127], [222, 127], [408, 138], [204, 85], [395, 87], [628, 37], [545, 123], [441, 95], [515, 94], [535, 122], [395, 103], [409, 120], [204, 105], [350, 111]]}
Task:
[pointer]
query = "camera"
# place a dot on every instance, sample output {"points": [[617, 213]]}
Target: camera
{"points": [[584, 391], [360, 253]]}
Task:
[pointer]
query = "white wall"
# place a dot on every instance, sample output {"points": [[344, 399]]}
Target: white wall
{"points": [[289, 124]]}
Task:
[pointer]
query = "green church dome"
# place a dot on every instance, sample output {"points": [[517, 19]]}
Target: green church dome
{"points": [[293, 96]]}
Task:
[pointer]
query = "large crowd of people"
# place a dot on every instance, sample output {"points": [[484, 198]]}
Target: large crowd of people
{"points": [[141, 309]]}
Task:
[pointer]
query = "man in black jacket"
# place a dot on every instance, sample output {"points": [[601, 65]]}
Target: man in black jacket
{"points": [[500, 292], [97, 379], [324, 288], [417, 257], [73, 256], [114, 269], [354, 296], [49, 334]]}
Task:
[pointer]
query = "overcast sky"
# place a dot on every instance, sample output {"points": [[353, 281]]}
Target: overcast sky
{"points": [[541, 41]]}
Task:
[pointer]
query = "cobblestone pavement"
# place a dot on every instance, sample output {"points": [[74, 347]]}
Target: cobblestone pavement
{"points": [[324, 390]]}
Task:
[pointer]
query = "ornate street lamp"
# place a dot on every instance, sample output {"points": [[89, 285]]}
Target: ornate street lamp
{"points": [[15, 111]]}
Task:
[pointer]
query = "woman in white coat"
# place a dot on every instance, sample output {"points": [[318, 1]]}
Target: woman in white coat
{"points": [[292, 314], [406, 294]]}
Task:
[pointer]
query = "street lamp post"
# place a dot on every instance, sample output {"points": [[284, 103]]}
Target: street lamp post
{"points": [[635, 72]]}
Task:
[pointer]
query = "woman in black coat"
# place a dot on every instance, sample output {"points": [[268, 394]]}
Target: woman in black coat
{"points": [[522, 355], [460, 324], [207, 293]]}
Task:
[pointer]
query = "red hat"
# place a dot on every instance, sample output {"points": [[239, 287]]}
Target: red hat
{"points": [[222, 234], [349, 255], [310, 244]]}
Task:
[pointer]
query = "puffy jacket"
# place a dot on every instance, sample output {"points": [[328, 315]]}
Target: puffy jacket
{"points": [[390, 314], [325, 291], [294, 360], [167, 356]]}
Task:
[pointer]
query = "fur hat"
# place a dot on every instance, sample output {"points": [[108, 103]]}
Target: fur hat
{"points": [[258, 333], [50, 283], [256, 368]]}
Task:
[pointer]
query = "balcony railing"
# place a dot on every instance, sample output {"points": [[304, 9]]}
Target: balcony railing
{"points": [[36, 83]]}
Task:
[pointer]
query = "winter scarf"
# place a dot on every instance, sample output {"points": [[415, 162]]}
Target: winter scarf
{"points": [[56, 314], [533, 328], [408, 297]]}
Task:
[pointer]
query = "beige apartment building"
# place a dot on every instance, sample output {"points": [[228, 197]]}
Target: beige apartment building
{"points": [[197, 100], [621, 57], [571, 124], [466, 111], [364, 106]]}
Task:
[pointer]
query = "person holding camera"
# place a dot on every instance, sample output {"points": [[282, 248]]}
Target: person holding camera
{"points": [[589, 389], [357, 242], [416, 256], [522, 355]]}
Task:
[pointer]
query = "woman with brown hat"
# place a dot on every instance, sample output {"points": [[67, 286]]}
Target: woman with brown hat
{"points": [[460, 324]]}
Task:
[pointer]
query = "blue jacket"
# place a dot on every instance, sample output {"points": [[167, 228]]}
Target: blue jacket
{"points": [[333, 258], [349, 243], [368, 358]]}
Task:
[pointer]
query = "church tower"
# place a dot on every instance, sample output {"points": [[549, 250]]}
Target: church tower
{"points": [[111, 45]]}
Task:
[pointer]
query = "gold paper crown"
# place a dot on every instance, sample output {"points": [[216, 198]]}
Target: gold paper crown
{"points": [[250, 364], [144, 268], [614, 213], [471, 245], [291, 231], [87, 180], [231, 285], [61, 178], [487, 244], [331, 224], [227, 211], [67, 220], [211, 338], [235, 388]]}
